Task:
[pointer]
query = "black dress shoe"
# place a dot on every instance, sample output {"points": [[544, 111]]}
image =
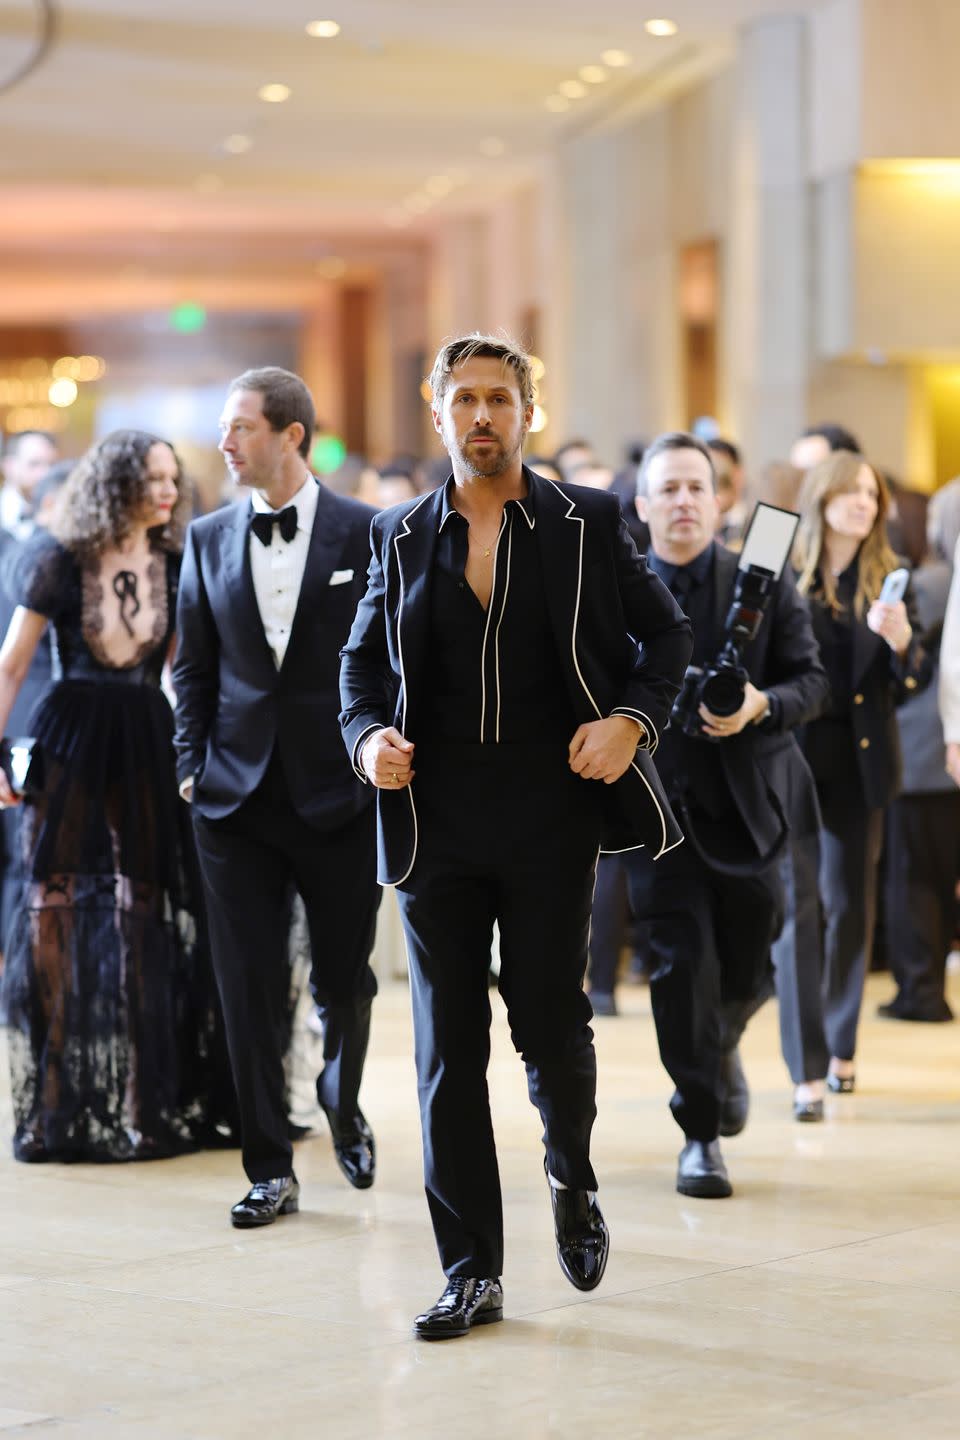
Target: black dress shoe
{"points": [[734, 1094], [583, 1240], [841, 1084], [354, 1148], [464, 1303], [897, 1010], [265, 1200], [701, 1171]]}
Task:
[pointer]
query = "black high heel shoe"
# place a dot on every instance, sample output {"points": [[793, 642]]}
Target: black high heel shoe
{"points": [[841, 1084], [808, 1111]]}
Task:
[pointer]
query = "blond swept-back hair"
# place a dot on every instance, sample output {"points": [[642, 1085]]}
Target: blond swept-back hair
{"points": [[837, 475], [466, 347]]}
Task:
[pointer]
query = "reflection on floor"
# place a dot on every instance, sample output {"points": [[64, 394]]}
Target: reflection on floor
{"points": [[823, 1300]]}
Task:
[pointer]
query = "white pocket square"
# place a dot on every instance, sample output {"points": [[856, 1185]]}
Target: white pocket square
{"points": [[341, 577]]}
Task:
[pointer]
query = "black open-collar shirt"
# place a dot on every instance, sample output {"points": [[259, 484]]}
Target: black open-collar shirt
{"points": [[492, 676]]}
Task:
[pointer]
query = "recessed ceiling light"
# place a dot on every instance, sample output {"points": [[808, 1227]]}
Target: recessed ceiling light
{"points": [[492, 146], [557, 103], [323, 29], [274, 94], [616, 59], [573, 89], [661, 28], [593, 74], [237, 144]]}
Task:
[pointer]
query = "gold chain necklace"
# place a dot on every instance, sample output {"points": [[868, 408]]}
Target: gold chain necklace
{"points": [[485, 548]]}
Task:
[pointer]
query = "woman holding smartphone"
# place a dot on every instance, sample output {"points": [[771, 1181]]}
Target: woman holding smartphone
{"points": [[863, 618]]}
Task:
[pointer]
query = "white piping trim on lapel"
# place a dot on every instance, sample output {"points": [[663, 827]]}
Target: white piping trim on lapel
{"points": [[576, 665], [496, 636], [403, 678]]}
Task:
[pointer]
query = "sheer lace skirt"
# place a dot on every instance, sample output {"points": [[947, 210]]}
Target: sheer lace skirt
{"points": [[116, 1048]]}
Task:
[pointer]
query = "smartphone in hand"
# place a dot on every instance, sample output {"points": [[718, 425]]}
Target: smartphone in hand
{"points": [[894, 586]]}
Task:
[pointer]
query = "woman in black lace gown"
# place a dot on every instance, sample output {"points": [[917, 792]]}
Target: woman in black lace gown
{"points": [[114, 1039]]}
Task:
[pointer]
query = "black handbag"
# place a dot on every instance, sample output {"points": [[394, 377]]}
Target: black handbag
{"points": [[21, 760]]}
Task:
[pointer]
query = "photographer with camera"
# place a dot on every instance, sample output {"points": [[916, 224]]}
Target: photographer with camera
{"points": [[730, 763]]}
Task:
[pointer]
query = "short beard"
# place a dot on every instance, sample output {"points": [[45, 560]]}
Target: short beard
{"points": [[495, 463]]}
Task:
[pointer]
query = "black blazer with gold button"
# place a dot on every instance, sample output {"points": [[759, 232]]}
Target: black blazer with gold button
{"points": [[880, 681]]}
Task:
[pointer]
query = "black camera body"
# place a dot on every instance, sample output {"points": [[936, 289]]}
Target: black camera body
{"points": [[721, 687]]}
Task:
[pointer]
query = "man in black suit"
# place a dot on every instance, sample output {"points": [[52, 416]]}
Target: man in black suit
{"points": [[268, 592], [715, 906], [496, 656]]}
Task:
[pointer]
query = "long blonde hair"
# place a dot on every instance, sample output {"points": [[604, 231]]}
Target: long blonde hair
{"points": [[837, 475]]}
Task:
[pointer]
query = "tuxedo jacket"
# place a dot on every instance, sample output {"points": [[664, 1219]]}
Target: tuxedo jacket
{"points": [[879, 682], [233, 704], [622, 640], [763, 766]]}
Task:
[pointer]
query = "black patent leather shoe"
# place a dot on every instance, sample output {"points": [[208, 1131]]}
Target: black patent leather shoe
{"points": [[734, 1094], [464, 1303], [354, 1148], [841, 1084], [265, 1200], [701, 1172], [583, 1240]]}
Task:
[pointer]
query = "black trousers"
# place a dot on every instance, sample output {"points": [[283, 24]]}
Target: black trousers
{"points": [[923, 865], [710, 938], [250, 861], [508, 834], [850, 845], [608, 923]]}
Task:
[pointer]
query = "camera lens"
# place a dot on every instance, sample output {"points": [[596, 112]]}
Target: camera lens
{"points": [[723, 692]]}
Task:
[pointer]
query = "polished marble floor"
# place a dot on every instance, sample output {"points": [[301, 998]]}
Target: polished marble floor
{"points": [[822, 1301]]}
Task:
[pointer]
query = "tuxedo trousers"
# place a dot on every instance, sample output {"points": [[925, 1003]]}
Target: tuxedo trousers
{"points": [[710, 938], [251, 862], [506, 834]]}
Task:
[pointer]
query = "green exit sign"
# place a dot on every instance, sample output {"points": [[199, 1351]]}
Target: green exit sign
{"points": [[188, 318]]}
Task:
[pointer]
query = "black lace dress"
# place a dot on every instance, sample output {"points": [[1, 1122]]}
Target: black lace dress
{"points": [[115, 1041]]}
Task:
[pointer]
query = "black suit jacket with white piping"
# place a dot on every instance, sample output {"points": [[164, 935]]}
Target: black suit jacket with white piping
{"points": [[623, 641]]}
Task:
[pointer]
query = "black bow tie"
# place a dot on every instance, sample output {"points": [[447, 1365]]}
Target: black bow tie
{"points": [[263, 521]]}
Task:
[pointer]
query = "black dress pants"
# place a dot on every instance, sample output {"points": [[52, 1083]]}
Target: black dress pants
{"points": [[608, 923], [249, 862], [506, 833], [710, 938], [923, 865]]}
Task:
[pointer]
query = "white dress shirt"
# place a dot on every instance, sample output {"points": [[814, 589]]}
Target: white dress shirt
{"points": [[15, 513], [950, 660], [278, 567], [277, 576]]}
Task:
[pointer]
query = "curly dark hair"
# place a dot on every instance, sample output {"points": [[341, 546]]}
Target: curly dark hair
{"points": [[97, 505]]}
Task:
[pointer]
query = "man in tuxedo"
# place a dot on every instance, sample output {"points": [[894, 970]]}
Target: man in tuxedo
{"points": [[496, 658], [715, 906], [268, 592]]}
